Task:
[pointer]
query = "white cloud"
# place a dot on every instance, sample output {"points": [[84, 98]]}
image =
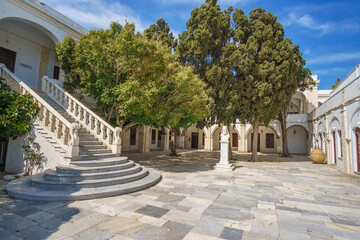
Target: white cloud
{"points": [[339, 71], [306, 21], [96, 13], [338, 57]]}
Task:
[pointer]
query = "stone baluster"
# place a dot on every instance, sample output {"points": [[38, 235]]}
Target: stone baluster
{"points": [[86, 118], [41, 111], [81, 113], [65, 135], [76, 112], [92, 122], [74, 139], [109, 136], [61, 97], [66, 101], [116, 147], [98, 127], [45, 119], [58, 126], [52, 122], [103, 132]]}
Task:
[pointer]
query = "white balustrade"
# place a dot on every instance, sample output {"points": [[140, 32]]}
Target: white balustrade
{"points": [[90, 120], [48, 116]]}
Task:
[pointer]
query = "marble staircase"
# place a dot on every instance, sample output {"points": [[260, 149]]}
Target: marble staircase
{"points": [[94, 172]]}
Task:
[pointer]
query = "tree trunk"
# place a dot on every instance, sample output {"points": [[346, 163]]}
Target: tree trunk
{"points": [[282, 118], [255, 141], [173, 142]]}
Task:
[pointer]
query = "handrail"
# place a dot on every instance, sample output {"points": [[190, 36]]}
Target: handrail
{"points": [[63, 130], [107, 134]]}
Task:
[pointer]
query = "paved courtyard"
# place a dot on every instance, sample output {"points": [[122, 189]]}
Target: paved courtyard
{"points": [[273, 199]]}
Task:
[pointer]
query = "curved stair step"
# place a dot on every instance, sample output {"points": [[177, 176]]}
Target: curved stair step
{"points": [[99, 161], [53, 175], [76, 170], [95, 156], [39, 180], [21, 188]]}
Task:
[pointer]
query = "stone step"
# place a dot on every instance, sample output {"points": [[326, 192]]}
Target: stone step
{"points": [[91, 167], [40, 181], [99, 161], [55, 176], [84, 146], [94, 156], [21, 188], [92, 151], [90, 142]]}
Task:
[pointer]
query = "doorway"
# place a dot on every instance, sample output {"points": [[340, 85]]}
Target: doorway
{"points": [[357, 134], [8, 57], [334, 146], [194, 140], [3, 150], [235, 140]]}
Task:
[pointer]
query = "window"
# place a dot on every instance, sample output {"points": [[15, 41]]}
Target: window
{"points": [[203, 138], [153, 136], [8, 57], [56, 72], [269, 140], [133, 136]]}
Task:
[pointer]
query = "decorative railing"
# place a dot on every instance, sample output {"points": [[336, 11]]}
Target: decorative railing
{"points": [[102, 130], [65, 133]]}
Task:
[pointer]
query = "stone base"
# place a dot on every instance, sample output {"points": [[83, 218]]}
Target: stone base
{"points": [[222, 166]]}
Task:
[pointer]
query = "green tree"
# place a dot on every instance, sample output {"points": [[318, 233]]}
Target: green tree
{"points": [[161, 32], [182, 99], [270, 66], [206, 45], [117, 68], [16, 112]]}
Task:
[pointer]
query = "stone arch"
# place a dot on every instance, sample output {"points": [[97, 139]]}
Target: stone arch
{"points": [[251, 128], [216, 139], [51, 34], [298, 139]]}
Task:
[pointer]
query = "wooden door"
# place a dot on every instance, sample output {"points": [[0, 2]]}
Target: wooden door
{"points": [[8, 57], [235, 140], [159, 138], [194, 140], [334, 145], [357, 134], [258, 143]]}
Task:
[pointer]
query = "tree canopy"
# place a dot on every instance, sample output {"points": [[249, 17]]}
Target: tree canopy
{"points": [[134, 78], [161, 32], [16, 112], [250, 68]]}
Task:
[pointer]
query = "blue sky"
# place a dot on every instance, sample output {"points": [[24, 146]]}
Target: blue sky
{"points": [[328, 32]]}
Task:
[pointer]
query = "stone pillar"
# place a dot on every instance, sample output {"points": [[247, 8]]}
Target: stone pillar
{"points": [[242, 139], [144, 139], [44, 62], [207, 145], [182, 142], [165, 140], [327, 141], [225, 150], [345, 141]]}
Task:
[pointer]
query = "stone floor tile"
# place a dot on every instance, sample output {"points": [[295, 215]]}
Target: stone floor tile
{"points": [[158, 233], [152, 220], [197, 236], [231, 233], [209, 225], [34, 233], [94, 233], [121, 225], [152, 211]]}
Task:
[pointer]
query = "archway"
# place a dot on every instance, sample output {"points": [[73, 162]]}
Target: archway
{"points": [[268, 139], [234, 135], [194, 137], [297, 139], [33, 50]]}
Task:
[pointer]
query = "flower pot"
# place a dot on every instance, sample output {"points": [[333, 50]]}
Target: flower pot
{"points": [[317, 156]]}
